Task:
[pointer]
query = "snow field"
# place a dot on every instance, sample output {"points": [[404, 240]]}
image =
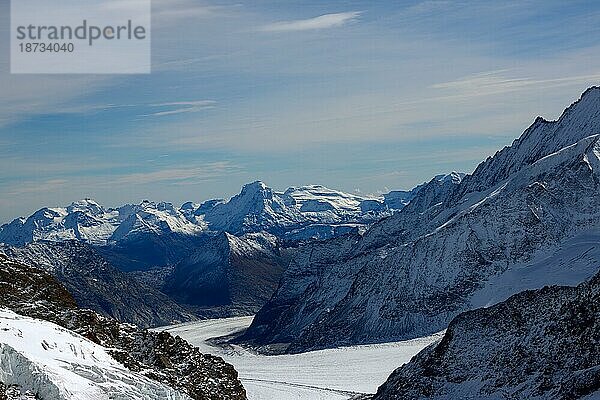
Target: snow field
{"points": [[330, 374]]}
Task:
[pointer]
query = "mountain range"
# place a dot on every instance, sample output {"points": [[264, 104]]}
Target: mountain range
{"points": [[298, 213], [218, 258]]}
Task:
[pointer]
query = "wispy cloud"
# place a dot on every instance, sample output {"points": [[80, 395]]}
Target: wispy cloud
{"points": [[175, 176], [496, 82], [180, 107], [165, 13], [180, 175], [427, 7], [37, 187], [325, 21], [175, 9]]}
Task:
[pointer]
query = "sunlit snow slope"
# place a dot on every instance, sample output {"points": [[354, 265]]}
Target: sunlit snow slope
{"points": [[58, 364]]}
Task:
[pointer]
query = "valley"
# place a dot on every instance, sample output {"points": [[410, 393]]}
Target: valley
{"points": [[331, 374]]}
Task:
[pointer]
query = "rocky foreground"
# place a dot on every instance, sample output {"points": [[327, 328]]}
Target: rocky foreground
{"points": [[158, 356], [539, 344]]}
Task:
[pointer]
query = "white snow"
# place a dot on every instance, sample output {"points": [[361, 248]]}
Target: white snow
{"points": [[256, 208], [58, 364], [318, 375], [569, 264]]}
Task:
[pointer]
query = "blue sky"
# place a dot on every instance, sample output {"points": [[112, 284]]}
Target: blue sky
{"points": [[354, 95]]}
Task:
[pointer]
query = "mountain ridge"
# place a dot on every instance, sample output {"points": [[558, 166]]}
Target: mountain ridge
{"points": [[410, 273], [301, 213]]}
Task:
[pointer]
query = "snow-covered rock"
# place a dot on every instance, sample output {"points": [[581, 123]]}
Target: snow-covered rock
{"points": [[541, 344], [542, 138], [153, 218], [160, 357], [412, 272], [57, 364]]}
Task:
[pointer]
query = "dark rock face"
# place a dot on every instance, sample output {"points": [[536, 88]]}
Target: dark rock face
{"points": [[538, 344], [142, 251], [99, 286], [159, 356], [228, 275], [31, 291]]}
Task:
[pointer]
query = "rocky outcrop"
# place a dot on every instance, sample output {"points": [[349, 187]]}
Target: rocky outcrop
{"points": [[158, 356], [542, 344]]}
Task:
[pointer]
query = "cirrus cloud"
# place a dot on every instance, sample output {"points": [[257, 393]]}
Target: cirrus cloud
{"points": [[325, 21], [180, 107]]}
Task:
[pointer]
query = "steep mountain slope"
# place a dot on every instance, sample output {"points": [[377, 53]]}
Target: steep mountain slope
{"points": [[228, 275], [542, 138], [148, 250], [542, 344], [158, 356], [97, 285], [397, 200], [411, 273]]}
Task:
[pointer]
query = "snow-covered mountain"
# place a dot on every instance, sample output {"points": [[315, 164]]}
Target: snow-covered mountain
{"points": [[541, 344], [89, 222], [458, 244], [297, 214]]}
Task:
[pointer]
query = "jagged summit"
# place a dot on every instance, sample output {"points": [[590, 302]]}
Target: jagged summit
{"points": [[542, 138], [454, 177], [86, 205], [257, 186]]}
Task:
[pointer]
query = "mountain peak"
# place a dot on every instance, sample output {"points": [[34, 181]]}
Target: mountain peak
{"points": [[580, 120], [86, 205], [593, 91], [254, 187], [454, 177]]}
